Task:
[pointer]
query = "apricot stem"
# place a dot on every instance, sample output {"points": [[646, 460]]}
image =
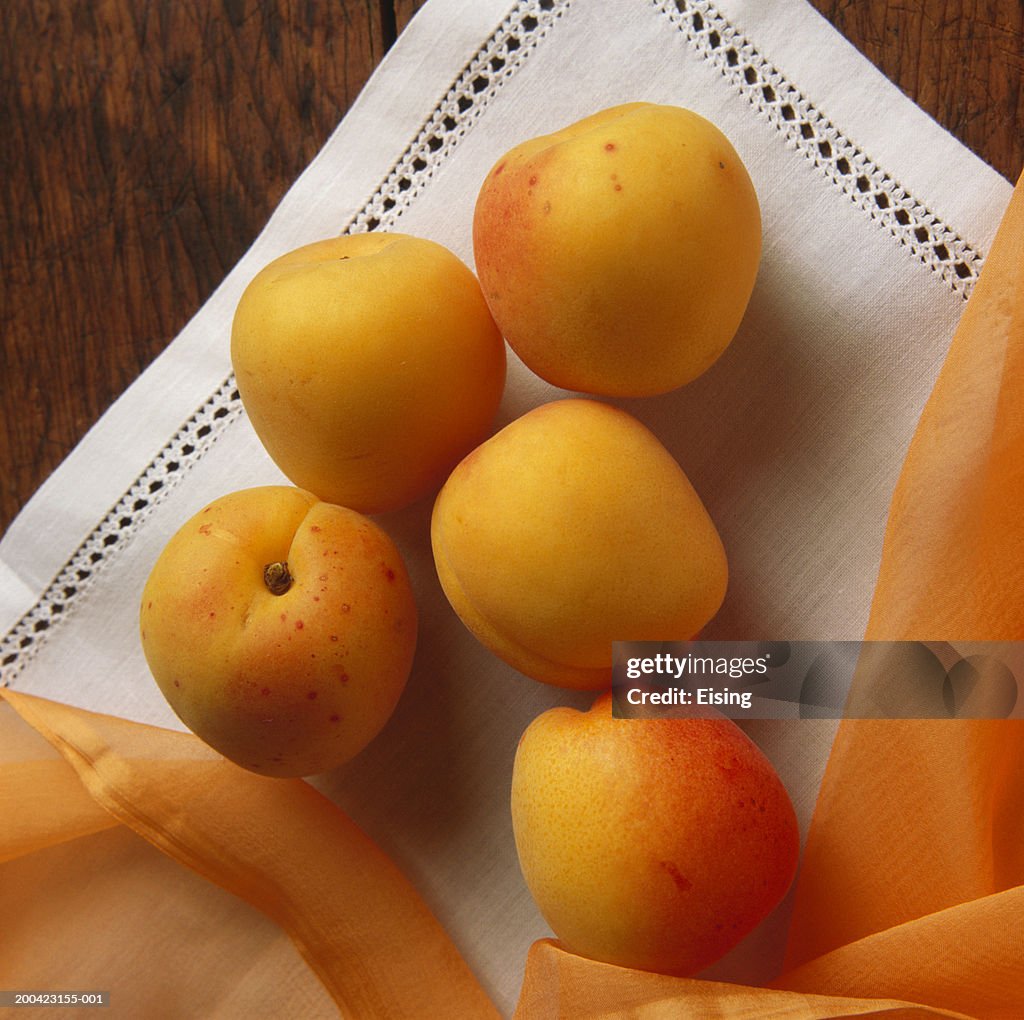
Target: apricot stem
{"points": [[277, 578]]}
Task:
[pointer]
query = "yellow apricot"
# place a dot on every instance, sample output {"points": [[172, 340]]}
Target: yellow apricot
{"points": [[571, 528], [280, 629], [368, 365], [618, 254], [655, 843]]}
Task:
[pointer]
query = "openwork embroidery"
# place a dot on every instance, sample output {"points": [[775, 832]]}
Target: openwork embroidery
{"points": [[873, 190], [494, 62], [813, 135], [188, 444], [497, 61]]}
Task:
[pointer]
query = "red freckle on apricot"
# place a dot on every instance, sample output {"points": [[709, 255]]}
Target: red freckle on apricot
{"points": [[533, 180], [212, 615], [345, 607], [618, 187], [498, 169], [322, 577], [284, 616], [388, 572], [149, 605], [683, 884], [177, 683], [265, 691], [311, 695], [609, 147], [314, 527], [299, 625], [334, 637], [335, 718], [343, 677], [316, 598], [205, 529]]}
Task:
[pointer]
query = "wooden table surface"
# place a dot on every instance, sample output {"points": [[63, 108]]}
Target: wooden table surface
{"points": [[147, 142]]}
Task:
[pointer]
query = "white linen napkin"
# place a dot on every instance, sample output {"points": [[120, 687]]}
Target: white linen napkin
{"points": [[876, 223]]}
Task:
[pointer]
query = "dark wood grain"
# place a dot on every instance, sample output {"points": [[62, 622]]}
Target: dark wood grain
{"points": [[146, 145], [147, 142]]}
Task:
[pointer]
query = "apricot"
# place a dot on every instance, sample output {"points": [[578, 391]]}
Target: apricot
{"points": [[571, 528], [368, 365], [654, 843], [280, 629], [618, 254]]}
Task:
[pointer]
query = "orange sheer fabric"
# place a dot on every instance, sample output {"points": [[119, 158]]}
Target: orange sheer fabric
{"points": [[913, 873], [278, 845]]}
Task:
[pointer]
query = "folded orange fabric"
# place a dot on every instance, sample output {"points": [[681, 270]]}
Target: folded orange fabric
{"points": [[89, 905], [919, 822], [42, 802], [280, 846], [560, 984], [953, 560]]}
